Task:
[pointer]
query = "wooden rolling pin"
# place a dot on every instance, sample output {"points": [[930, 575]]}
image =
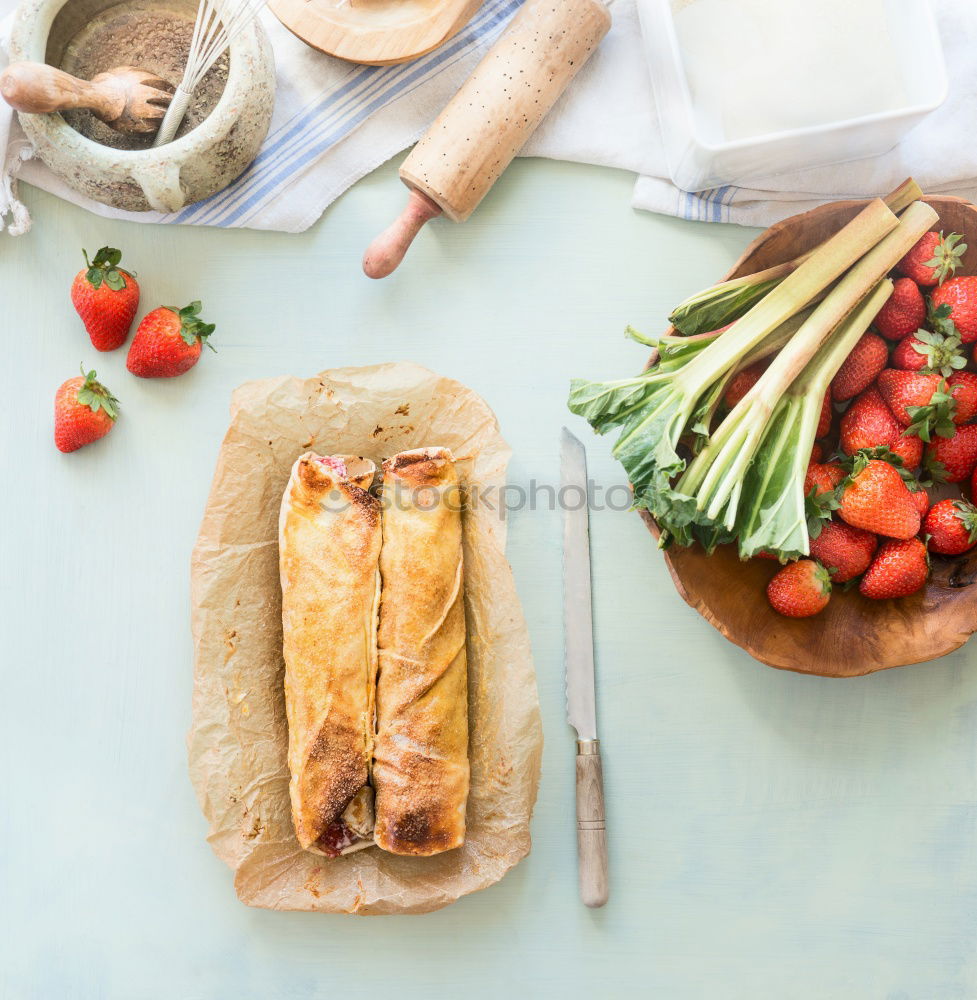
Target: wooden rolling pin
{"points": [[489, 120]]}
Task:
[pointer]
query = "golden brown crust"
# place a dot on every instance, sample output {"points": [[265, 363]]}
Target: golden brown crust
{"points": [[420, 768], [329, 546]]}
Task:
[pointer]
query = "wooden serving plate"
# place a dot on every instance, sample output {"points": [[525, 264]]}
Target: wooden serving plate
{"points": [[853, 635], [377, 32]]}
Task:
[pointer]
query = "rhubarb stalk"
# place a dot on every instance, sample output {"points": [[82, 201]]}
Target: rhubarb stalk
{"points": [[655, 410], [727, 301], [773, 517], [716, 475]]}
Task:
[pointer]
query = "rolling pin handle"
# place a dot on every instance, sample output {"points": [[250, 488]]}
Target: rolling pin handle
{"points": [[387, 250]]}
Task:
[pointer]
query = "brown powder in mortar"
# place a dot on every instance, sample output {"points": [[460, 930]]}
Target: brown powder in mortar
{"points": [[150, 35]]}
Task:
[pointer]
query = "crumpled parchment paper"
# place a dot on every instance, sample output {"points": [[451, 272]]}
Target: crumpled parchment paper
{"points": [[237, 741]]}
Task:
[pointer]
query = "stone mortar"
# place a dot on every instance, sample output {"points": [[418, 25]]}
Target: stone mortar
{"points": [[213, 150]]}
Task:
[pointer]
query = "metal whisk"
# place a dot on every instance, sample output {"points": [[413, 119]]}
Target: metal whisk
{"points": [[218, 23]]}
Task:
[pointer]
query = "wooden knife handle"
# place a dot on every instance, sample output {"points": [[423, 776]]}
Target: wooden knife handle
{"points": [[591, 831], [38, 89]]}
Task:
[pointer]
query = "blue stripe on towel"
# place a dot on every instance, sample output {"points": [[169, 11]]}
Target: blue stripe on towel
{"points": [[706, 206], [728, 203], [717, 204], [331, 117]]}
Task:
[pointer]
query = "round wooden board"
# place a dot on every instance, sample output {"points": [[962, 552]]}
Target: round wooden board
{"points": [[376, 32], [853, 635]]}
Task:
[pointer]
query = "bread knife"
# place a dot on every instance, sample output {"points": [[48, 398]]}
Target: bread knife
{"points": [[579, 659]]}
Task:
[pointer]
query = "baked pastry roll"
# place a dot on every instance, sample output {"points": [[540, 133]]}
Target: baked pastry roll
{"points": [[329, 550], [420, 768]]}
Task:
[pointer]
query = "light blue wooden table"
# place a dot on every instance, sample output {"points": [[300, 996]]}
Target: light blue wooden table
{"points": [[771, 835]]}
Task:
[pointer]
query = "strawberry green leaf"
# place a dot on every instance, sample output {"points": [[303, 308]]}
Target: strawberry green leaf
{"points": [[861, 458], [966, 513], [855, 463], [818, 508], [939, 320], [95, 396], [108, 257], [934, 418], [192, 329], [105, 267], [935, 469], [942, 352], [946, 256]]}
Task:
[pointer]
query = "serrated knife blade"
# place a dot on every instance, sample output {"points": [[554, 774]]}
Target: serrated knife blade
{"points": [[578, 629], [577, 600]]}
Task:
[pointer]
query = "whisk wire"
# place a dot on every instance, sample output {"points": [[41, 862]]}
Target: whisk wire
{"points": [[218, 23]]}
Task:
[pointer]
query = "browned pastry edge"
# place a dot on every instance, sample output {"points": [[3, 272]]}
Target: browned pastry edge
{"points": [[421, 768], [330, 720]]}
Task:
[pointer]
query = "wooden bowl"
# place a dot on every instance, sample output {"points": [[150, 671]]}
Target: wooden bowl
{"points": [[853, 635], [376, 32]]}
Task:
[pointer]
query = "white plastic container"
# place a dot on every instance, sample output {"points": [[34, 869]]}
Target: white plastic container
{"points": [[750, 88]]}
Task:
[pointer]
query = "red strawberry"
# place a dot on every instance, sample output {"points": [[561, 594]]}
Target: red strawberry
{"points": [[860, 368], [926, 351], [106, 299], [973, 486], [875, 498], [918, 401], [910, 354], [824, 421], [952, 527], [963, 388], [868, 423], [909, 448], [953, 459], [168, 342], [822, 478], [922, 499], [800, 589], [933, 259], [817, 452], [84, 411], [899, 569], [960, 294], [844, 550], [742, 382], [904, 311]]}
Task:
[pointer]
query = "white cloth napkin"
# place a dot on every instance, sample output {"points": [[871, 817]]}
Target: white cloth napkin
{"points": [[335, 122], [938, 153]]}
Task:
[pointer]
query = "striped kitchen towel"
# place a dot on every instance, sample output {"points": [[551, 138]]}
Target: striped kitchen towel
{"points": [[334, 122]]}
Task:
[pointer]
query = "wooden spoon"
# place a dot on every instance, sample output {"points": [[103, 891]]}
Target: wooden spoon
{"points": [[127, 99]]}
